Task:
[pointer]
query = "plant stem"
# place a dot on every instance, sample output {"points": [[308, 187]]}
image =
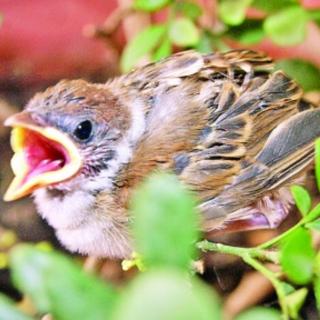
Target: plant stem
{"points": [[280, 237], [256, 252], [250, 256], [279, 288]]}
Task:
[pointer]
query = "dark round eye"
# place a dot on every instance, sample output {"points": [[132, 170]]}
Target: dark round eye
{"points": [[83, 130]]}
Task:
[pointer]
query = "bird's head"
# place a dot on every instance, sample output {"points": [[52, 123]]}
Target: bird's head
{"points": [[66, 138]]}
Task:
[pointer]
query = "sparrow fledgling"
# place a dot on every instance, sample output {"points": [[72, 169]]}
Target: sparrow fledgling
{"points": [[230, 127]]}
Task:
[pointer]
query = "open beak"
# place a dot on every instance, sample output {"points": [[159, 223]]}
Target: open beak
{"points": [[42, 156]]}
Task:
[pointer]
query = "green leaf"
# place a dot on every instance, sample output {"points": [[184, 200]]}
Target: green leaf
{"points": [[297, 256], [294, 302], [273, 5], [163, 51], [205, 43], [220, 45], [317, 162], [170, 295], [302, 199], [183, 32], [248, 33], [315, 225], [150, 5], [233, 12], [9, 311], [58, 286], [288, 26], [141, 45], [189, 9], [165, 222], [304, 72], [313, 214], [260, 313], [287, 287], [316, 280]]}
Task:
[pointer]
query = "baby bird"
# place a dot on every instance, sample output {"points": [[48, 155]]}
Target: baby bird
{"points": [[232, 129]]}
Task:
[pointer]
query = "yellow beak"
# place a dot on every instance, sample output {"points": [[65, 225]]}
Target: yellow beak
{"points": [[42, 156]]}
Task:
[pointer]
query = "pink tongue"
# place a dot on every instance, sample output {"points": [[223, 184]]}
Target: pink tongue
{"points": [[42, 155], [45, 166]]}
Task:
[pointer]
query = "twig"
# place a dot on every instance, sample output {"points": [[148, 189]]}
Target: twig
{"points": [[111, 24], [256, 252]]}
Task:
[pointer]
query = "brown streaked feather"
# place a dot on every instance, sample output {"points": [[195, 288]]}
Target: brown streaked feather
{"points": [[285, 156], [222, 115], [162, 141]]}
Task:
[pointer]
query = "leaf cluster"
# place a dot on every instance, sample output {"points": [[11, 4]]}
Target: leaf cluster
{"points": [[283, 22]]}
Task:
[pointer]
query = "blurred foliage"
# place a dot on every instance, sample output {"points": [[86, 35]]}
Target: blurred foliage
{"points": [[159, 200], [167, 294], [288, 26], [56, 285], [304, 72], [143, 43], [297, 256], [167, 290], [282, 21], [8, 311]]}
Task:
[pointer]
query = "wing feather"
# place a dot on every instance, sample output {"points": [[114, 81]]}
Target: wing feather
{"points": [[225, 123]]}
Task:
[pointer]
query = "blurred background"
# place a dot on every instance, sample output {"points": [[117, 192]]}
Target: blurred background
{"points": [[44, 41]]}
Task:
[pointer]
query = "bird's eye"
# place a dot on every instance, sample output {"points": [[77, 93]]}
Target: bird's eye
{"points": [[83, 130]]}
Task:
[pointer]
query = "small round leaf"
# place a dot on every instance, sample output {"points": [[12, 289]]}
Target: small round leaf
{"points": [[183, 32], [297, 255], [302, 199], [287, 27], [233, 12], [189, 9], [140, 46]]}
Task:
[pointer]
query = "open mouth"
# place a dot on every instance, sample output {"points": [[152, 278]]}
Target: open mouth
{"points": [[43, 156]]}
